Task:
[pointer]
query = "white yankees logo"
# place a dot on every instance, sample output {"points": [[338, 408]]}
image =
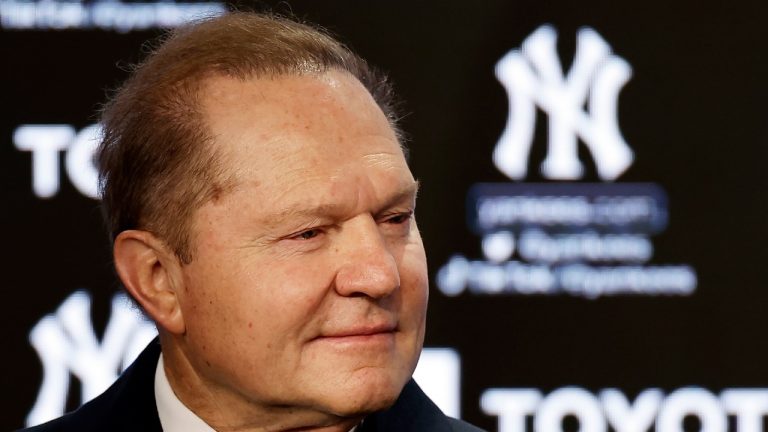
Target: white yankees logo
{"points": [[534, 77], [66, 343]]}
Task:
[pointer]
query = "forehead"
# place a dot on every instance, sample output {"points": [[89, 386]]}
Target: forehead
{"points": [[266, 120], [301, 139]]}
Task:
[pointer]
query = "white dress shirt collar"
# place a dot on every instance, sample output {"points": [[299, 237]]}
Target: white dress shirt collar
{"points": [[174, 415]]}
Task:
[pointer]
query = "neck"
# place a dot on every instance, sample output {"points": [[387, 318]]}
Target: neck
{"points": [[228, 411]]}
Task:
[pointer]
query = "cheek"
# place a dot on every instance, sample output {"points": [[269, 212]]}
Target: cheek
{"points": [[414, 283], [273, 301], [220, 301]]}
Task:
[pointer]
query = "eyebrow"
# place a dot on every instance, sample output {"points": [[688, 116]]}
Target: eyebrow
{"points": [[407, 192]]}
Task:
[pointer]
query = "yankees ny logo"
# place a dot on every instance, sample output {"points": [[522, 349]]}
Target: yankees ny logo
{"points": [[66, 342], [533, 76]]}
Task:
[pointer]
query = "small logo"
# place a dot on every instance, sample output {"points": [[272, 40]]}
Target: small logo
{"points": [[533, 76], [111, 15], [46, 142]]}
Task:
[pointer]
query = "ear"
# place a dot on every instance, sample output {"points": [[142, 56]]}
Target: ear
{"points": [[150, 272]]}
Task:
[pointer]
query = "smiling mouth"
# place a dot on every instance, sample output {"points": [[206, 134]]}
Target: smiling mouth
{"points": [[360, 334]]}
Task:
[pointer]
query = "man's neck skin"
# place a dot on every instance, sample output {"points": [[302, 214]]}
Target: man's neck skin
{"points": [[226, 413]]}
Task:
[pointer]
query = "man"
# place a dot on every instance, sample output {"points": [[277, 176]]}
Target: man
{"points": [[262, 215]]}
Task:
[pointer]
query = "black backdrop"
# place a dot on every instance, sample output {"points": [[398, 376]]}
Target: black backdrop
{"points": [[694, 113]]}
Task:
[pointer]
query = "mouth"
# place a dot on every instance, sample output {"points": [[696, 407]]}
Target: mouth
{"points": [[369, 333]]}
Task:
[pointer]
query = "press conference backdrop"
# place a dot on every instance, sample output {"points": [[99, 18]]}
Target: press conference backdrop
{"points": [[593, 203]]}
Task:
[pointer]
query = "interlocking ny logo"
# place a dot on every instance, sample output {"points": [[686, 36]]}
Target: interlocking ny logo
{"points": [[66, 342], [534, 77]]}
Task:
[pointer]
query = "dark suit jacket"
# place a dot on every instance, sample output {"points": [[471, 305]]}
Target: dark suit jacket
{"points": [[129, 405]]}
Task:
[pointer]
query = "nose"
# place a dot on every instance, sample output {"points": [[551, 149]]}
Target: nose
{"points": [[368, 267]]}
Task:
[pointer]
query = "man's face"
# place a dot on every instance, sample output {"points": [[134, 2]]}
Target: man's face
{"points": [[308, 285]]}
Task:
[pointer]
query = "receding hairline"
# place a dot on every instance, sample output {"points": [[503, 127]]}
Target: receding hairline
{"points": [[227, 180]]}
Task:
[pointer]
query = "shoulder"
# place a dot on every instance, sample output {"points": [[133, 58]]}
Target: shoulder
{"points": [[68, 422], [90, 417], [462, 426], [127, 405]]}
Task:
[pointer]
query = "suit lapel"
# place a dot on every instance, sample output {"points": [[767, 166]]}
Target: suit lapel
{"points": [[132, 398]]}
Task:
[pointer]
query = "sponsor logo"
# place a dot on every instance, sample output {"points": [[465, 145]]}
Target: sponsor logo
{"points": [[610, 409], [112, 15], [582, 239], [46, 142]]}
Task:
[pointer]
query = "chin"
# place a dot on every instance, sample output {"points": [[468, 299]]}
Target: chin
{"points": [[371, 392]]}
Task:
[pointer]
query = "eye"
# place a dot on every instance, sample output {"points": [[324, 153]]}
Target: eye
{"points": [[400, 218], [308, 234]]}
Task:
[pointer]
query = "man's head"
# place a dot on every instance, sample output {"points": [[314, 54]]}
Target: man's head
{"points": [[155, 166], [300, 300]]}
